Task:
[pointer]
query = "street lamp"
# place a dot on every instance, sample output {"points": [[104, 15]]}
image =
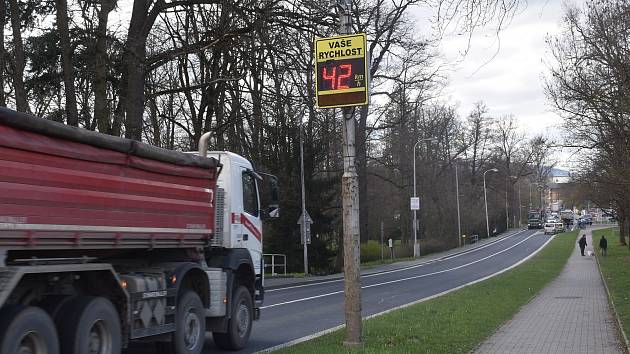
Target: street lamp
{"points": [[485, 199], [520, 206], [459, 222], [416, 245]]}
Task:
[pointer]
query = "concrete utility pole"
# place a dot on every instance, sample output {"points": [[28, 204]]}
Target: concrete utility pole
{"points": [[350, 195]]}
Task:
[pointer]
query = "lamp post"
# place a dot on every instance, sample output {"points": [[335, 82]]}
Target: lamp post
{"points": [[520, 206], [416, 246], [485, 199], [459, 223]]}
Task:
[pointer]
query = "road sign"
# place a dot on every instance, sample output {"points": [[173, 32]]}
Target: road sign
{"points": [[415, 203], [305, 230], [305, 234], [341, 71], [308, 218]]}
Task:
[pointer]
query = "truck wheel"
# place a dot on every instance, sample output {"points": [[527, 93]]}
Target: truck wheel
{"points": [[89, 325], [240, 325], [27, 330], [190, 328]]}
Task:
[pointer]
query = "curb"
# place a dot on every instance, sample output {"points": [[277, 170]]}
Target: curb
{"points": [[612, 304], [341, 277]]}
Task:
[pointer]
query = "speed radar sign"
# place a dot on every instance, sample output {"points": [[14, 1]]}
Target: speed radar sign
{"points": [[341, 71]]}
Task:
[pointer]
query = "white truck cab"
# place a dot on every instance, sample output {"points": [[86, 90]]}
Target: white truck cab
{"points": [[242, 215]]}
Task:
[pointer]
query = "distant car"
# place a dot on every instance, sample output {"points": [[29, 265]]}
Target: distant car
{"points": [[559, 227], [585, 220], [550, 228]]}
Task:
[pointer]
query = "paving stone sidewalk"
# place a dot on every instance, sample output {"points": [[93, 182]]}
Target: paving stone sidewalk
{"points": [[570, 315]]}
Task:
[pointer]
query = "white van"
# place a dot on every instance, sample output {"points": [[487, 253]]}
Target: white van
{"points": [[550, 228]]}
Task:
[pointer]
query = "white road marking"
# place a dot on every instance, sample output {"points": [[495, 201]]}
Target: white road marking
{"points": [[401, 269], [333, 329], [403, 279]]}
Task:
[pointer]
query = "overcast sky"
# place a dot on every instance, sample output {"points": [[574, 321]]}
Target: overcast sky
{"points": [[506, 71]]}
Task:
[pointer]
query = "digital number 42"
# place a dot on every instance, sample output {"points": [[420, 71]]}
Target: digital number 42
{"points": [[337, 77]]}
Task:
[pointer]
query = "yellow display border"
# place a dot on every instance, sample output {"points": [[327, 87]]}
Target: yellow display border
{"points": [[355, 89]]}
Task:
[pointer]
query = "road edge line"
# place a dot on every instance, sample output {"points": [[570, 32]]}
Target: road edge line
{"points": [[330, 330], [422, 263]]}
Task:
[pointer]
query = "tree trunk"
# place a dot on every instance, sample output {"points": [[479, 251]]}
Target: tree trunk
{"points": [[72, 116], [624, 225], [155, 124], [135, 58], [101, 109], [21, 103], [3, 15], [136, 70]]}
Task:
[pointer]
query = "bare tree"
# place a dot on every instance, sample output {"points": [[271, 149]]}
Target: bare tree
{"points": [[478, 140], [590, 86], [101, 104], [18, 58], [66, 62], [3, 16]]}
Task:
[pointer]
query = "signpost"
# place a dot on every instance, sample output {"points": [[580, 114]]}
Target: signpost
{"points": [[341, 81], [305, 228]]}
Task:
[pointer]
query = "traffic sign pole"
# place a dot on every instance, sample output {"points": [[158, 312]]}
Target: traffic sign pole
{"points": [[304, 223]]}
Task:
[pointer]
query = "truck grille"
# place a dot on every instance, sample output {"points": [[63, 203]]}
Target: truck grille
{"points": [[219, 217]]}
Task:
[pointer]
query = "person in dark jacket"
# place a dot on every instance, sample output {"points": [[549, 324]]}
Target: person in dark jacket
{"points": [[603, 245], [582, 243]]}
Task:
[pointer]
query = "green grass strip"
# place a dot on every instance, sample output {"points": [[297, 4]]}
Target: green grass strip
{"points": [[456, 322], [615, 268]]}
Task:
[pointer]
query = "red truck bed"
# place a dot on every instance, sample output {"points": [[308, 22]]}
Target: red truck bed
{"points": [[63, 187]]}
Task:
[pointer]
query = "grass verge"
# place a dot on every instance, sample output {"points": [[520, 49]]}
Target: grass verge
{"points": [[456, 322], [616, 273]]}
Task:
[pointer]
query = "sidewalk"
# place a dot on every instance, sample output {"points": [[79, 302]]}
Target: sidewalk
{"points": [[570, 315], [280, 282]]}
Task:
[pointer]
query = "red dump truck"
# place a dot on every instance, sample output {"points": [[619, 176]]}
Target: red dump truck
{"points": [[104, 241]]}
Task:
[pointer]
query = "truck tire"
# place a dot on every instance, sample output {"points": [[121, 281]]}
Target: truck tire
{"points": [[240, 324], [190, 327], [27, 330], [89, 325]]}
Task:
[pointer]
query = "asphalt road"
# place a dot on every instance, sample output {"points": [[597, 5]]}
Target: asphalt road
{"points": [[294, 312], [297, 311]]}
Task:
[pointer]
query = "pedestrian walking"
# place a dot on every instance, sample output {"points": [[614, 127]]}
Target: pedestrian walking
{"points": [[603, 245], [582, 243]]}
